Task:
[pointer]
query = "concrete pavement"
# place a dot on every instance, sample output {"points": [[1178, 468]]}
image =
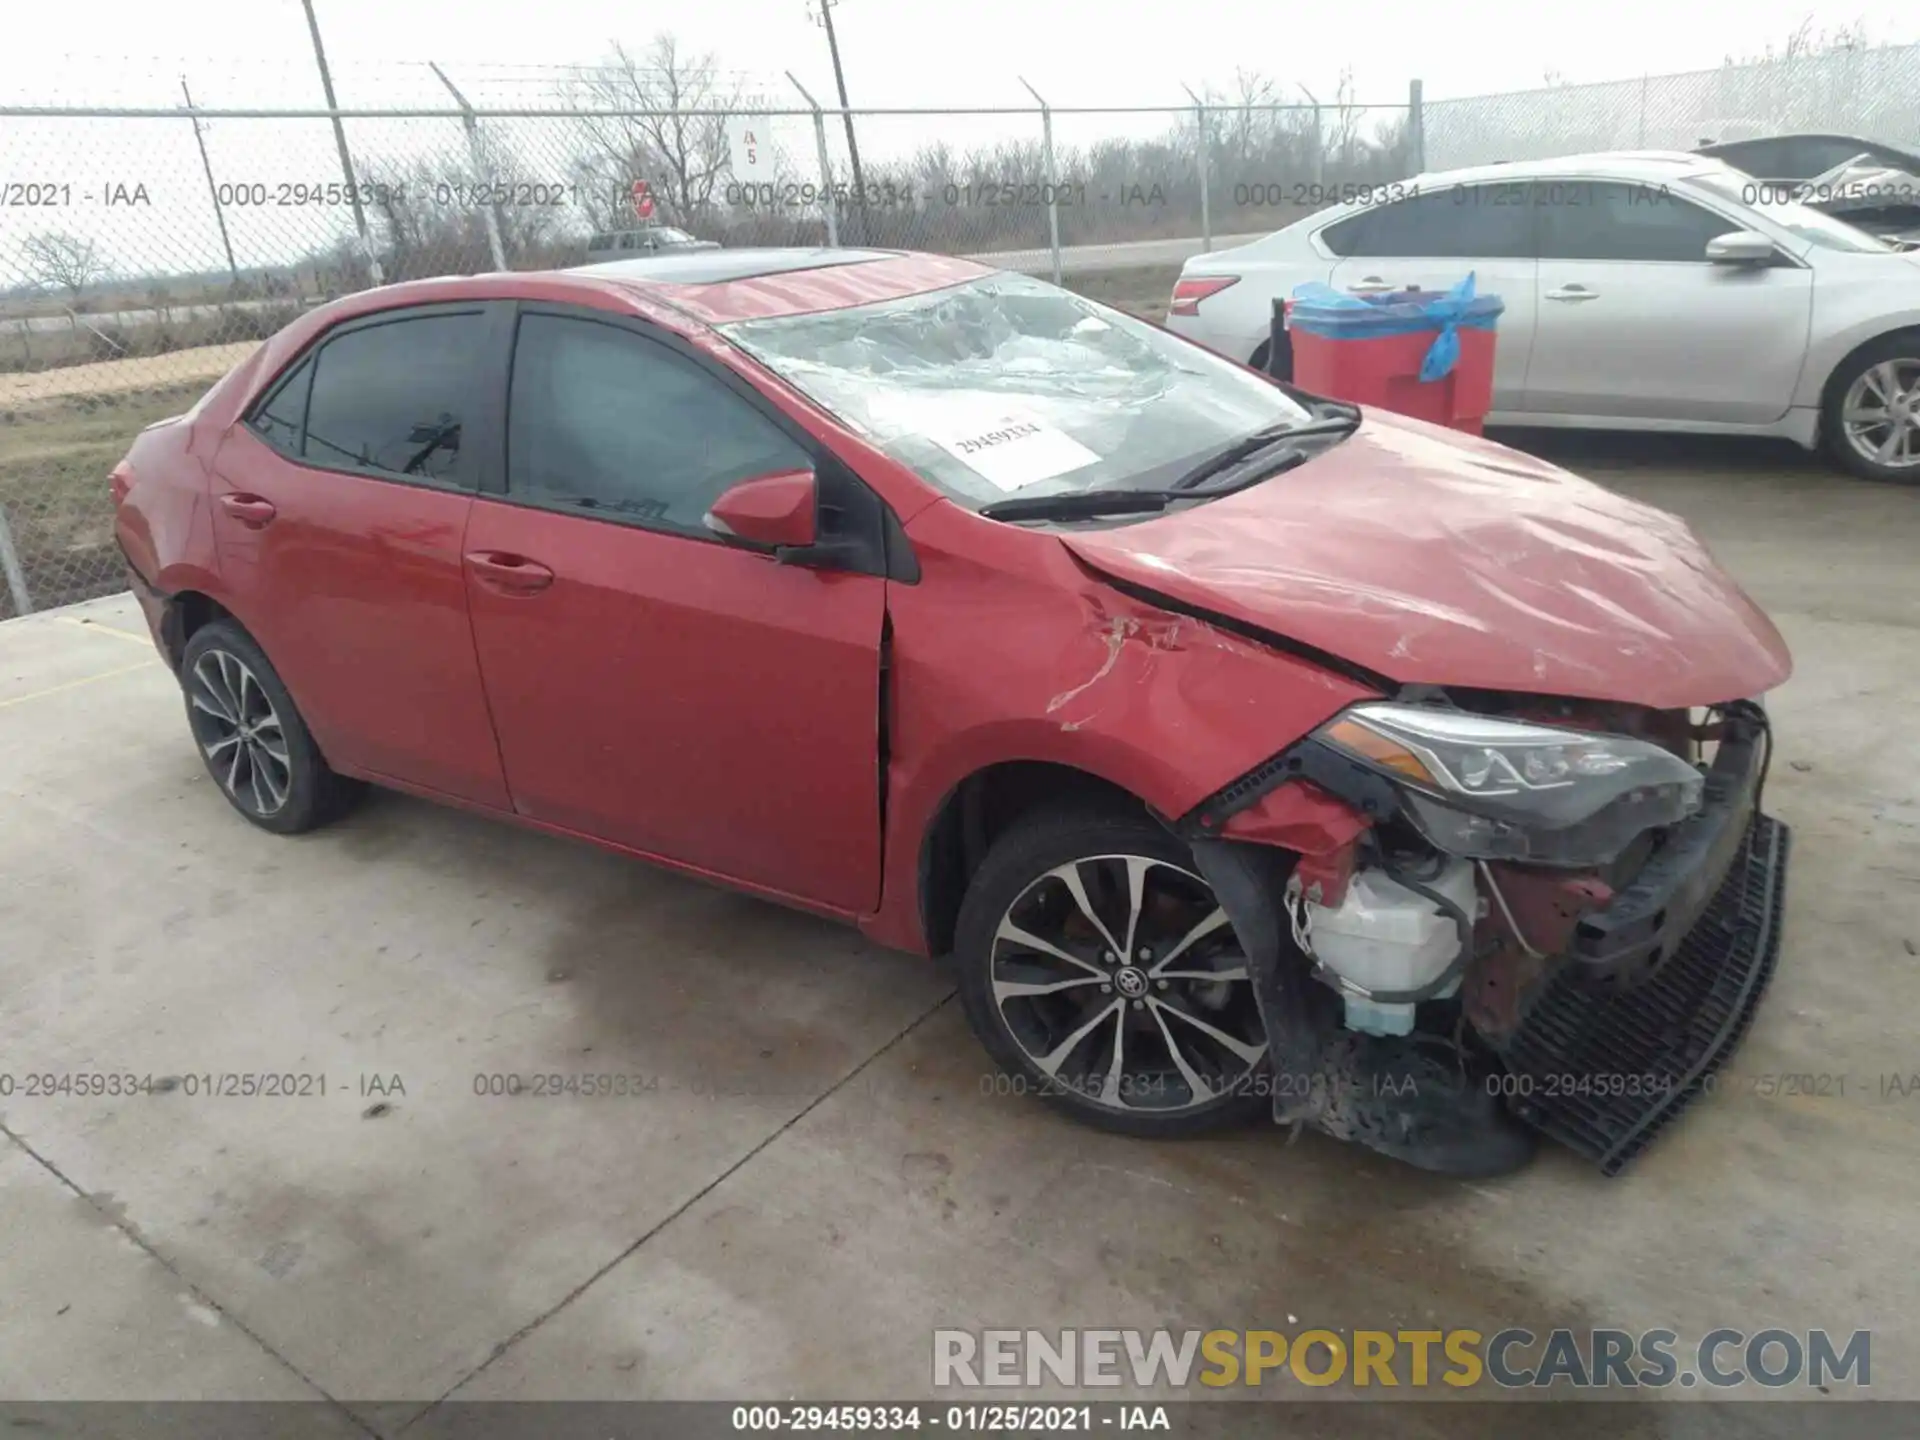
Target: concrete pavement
{"points": [[811, 1173]]}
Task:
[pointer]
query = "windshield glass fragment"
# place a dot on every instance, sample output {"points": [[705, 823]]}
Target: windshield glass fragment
{"points": [[1008, 386]]}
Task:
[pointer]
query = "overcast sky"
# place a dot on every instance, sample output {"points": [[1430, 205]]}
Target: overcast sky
{"points": [[897, 53], [900, 52]]}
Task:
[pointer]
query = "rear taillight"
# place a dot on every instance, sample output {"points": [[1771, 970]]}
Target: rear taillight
{"points": [[120, 481], [1188, 293]]}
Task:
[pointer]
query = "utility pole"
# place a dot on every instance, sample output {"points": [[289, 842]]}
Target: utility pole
{"points": [[213, 190], [840, 82], [340, 141]]}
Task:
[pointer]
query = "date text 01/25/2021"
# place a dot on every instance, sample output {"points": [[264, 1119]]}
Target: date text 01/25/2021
{"points": [[984, 194], [195, 1084], [1015, 1419]]}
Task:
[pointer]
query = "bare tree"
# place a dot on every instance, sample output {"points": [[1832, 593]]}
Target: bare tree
{"points": [[640, 129], [1804, 41], [65, 262]]}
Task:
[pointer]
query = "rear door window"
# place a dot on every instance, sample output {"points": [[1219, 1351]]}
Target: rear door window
{"points": [[1460, 222], [391, 397], [280, 421]]}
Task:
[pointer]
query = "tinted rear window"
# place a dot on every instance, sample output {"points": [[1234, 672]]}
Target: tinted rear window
{"points": [[390, 396], [1460, 222], [280, 419]]}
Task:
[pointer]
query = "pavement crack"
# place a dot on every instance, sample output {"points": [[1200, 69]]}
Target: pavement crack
{"points": [[132, 1232], [694, 1199]]}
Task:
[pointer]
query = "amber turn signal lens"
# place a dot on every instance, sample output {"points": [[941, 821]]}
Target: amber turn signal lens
{"points": [[1357, 739]]}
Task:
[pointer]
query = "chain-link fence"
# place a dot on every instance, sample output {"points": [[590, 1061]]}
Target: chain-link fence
{"points": [[144, 252], [1870, 92]]}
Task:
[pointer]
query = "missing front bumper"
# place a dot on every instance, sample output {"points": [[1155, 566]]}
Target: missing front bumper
{"points": [[1603, 1071]]}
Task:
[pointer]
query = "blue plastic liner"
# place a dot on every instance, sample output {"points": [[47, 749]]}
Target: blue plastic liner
{"points": [[1320, 309]]}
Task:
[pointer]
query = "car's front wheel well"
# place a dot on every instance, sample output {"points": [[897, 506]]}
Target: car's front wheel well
{"points": [[1842, 372], [1868, 461], [978, 811]]}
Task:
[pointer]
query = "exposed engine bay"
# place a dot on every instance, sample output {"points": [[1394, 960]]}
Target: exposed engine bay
{"points": [[1479, 952]]}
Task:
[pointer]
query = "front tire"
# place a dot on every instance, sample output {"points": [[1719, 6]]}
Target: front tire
{"points": [[1870, 423], [251, 736], [1099, 971]]}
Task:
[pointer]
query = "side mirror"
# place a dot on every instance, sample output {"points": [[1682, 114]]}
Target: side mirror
{"points": [[1740, 247], [773, 512]]}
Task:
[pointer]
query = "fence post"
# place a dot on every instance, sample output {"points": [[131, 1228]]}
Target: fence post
{"points": [[480, 172], [1417, 127], [826, 166], [374, 267], [1053, 181], [1319, 146], [10, 564], [1206, 208]]}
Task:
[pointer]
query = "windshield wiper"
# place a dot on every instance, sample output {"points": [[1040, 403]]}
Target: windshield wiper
{"points": [[1082, 505], [1090, 504], [1251, 445]]}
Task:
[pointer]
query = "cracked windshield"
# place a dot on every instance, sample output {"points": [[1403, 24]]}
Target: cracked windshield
{"points": [[1006, 385]]}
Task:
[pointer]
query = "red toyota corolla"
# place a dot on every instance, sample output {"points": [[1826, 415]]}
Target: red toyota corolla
{"points": [[1240, 750]]}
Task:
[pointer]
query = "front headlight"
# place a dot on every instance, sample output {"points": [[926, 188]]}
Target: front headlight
{"points": [[1506, 790]]}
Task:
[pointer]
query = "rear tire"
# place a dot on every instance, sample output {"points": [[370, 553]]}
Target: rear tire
{"points": [[1191, 1051], [1261, 356], [1870, 420], [252, 738]]}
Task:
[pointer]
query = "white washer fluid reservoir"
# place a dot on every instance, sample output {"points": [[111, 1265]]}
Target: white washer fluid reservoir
{"points": [[1384, 938]]}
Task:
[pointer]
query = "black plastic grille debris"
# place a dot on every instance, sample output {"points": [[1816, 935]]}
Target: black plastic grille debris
{"points": [[1604, 1072]]}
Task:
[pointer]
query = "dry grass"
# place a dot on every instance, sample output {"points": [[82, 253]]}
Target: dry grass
{"points": [[1140, 292], [55, 454], [202, 365]]}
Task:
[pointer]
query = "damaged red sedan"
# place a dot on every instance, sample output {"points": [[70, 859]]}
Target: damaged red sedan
{"points": [[1241, 751]]}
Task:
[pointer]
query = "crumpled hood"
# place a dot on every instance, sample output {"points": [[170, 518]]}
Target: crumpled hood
{"points": [[1430, 557]]}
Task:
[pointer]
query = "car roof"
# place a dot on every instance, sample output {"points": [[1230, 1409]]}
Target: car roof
{"points": [[1651, 166], [683, 291], [712, 267]]}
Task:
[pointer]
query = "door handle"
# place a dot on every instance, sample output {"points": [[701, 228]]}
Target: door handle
{"points": [[249, 510], [1370, 285], [508, 573], [1572, 293]]}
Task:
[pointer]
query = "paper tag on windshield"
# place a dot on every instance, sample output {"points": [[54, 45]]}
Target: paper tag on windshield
{"points": [[1014, 450]]}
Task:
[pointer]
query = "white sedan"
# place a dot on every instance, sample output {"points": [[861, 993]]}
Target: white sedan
{"points": [[1643, 290]]}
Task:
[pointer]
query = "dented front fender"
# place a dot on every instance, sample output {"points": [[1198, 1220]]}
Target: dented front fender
{"points": [[1168, 707]]}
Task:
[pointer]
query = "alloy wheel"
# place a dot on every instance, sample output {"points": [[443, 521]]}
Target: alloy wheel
{"points": [[1121, 980], [240, 733], [1881, 414]]}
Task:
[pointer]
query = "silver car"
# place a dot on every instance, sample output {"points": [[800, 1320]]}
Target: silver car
{"points": [[652, 240], [1643, 290]]}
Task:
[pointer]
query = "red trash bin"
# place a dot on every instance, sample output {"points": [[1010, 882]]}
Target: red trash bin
{"points": [[1370, 350]]}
